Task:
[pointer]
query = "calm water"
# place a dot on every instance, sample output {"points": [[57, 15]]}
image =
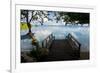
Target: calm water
{"points": [[60, 32]]}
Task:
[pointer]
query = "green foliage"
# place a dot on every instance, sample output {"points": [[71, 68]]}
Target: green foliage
{"points": [[23, 26], [84, 18], [39, 53], [66, 16], [34, 53], [72, 17]]}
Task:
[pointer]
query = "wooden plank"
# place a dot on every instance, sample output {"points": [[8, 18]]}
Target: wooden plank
{"points": [[61, 50]]}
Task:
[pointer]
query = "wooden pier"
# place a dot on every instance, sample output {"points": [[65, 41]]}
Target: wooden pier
{"points": [[59, 49], [64, 49]]}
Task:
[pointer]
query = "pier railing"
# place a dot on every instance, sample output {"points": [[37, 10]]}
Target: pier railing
{"points": [[48, 41], [74, 44]]}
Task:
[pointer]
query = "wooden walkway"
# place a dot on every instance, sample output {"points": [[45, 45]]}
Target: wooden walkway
{"points": [[61, 50]]}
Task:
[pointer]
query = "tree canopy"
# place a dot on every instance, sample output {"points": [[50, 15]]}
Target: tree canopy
{"points": [[72, 17]]}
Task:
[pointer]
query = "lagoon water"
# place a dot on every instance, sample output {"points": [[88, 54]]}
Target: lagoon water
{"points": [[81, 33]]}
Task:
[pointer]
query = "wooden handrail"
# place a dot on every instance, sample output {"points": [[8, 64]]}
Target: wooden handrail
{"points": [[70, 36], [47, 41], [74, 44]]}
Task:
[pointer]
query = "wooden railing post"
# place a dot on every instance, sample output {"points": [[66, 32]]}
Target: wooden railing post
{"points": [[47, 41], [75, 44]]}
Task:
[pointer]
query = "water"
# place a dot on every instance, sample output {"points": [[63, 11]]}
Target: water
{"points": [[60, 32]]}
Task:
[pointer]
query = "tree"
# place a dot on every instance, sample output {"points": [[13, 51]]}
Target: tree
{"points": [[81, 17], [41, 15], [72, 17], [24, 15], [56, 14], [35, 15], [64, 16], [84, 18]]}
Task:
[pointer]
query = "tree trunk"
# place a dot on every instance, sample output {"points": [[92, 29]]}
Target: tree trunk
{"points": [[29, 27], [41, 21], [28, 23], [66, 24]]}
